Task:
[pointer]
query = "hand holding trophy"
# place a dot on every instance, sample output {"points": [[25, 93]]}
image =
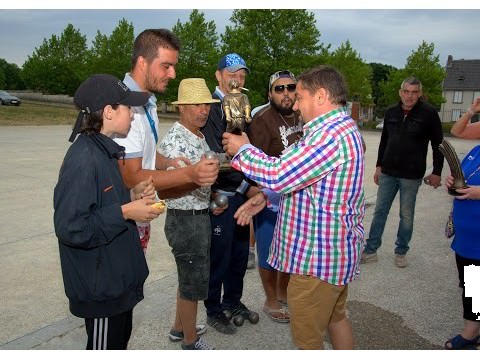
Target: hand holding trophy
{"points": [[454, 163], [236, 107]]}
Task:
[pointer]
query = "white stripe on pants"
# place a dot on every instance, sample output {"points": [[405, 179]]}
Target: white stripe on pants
{"points": [[100, 327]]}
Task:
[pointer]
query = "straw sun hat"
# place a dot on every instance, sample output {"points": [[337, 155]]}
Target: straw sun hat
{"points": [[194, 91]]}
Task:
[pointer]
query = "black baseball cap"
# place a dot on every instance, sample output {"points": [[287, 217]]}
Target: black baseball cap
{"points": [[100, 90]]}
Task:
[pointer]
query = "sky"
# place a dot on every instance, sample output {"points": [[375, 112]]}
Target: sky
{"points": [[386, 36]]}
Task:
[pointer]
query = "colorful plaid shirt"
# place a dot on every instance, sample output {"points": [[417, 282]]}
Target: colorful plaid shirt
{"points": [[319, 230]]}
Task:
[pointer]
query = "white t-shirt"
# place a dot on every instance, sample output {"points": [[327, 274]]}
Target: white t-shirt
{"points": [[140, 141], [179, 141]]}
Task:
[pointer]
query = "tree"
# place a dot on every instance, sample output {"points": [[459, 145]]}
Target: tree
{"points": [[11, 75], [58, 66], [2, 79], [198, 52], [271, 40], [380, 73], [425, 66], [357, 73], [112, 54]]}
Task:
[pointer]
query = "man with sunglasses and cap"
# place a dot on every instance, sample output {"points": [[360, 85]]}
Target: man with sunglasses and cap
{"points": [[274, 128], [230, 242]]}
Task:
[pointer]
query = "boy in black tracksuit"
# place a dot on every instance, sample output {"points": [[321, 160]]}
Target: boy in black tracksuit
{"points": [[102, 262]]}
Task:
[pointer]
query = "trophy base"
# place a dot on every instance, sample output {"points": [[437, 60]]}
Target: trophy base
{"points": [[225, 167], [224, 162], [453, 191]]}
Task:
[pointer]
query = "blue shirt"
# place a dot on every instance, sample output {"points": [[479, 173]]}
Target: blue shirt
{"points": [[466, 213]]}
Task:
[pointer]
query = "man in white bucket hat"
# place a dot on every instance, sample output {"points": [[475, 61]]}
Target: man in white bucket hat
{"points": [[187, 224]]}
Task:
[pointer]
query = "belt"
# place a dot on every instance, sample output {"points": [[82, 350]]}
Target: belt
{"points": [[178, 212]]}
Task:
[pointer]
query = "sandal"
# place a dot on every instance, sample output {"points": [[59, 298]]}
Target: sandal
{"points": [[458, 342], [279, 315]]}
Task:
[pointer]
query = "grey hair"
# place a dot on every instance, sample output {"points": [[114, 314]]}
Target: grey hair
{"points": [[411, 81]]}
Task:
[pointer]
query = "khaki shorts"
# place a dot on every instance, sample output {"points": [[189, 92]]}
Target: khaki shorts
{"points": [[313, 305]]}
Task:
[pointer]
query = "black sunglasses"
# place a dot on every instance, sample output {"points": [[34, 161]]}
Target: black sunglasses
{"points": [[290, 87]]}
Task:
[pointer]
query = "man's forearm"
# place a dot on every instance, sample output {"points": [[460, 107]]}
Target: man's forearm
{"points": [[176, 192]]}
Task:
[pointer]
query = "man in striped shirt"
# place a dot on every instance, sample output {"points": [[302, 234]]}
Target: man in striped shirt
{"points": [[319, 233]]}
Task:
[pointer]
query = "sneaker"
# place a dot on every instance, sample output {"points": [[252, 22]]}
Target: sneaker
{"points": [[220, 323], [368, 258], [175, 335], [251, 260], [400, 261], [200, 344]]}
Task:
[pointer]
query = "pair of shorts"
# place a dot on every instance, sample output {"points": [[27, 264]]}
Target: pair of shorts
{"points": [[189, 237], [264, 225], [313, 305]]}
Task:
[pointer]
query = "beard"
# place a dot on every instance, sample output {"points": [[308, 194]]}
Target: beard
{"points": [[154, 84], [282, 110]]}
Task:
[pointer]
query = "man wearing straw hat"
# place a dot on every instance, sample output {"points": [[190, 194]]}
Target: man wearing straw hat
{"points": [[187, 224]]}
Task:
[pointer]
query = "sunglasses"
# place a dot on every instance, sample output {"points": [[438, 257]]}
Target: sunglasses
{"points": [[280, 88]]}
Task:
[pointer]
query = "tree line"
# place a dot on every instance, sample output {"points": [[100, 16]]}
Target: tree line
{"points": [[62, 62]]}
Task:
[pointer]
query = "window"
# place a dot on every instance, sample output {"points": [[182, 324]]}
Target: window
{"points": [[476, 94], [456, 114], [457, 97]]}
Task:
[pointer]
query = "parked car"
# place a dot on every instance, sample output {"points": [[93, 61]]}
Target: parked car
{"points": [[379, 126], [7, 99]]}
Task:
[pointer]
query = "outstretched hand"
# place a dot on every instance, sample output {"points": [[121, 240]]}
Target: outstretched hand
{"points": [[250, 208]]}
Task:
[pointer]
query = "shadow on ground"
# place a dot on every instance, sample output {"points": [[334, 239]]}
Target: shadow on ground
{"points": [[378, 329]]}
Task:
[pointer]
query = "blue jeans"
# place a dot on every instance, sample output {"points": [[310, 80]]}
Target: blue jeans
{"points": [[388, 186], [264, 225]]}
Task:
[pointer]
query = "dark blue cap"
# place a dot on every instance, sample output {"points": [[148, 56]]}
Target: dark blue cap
{"points": [[232, 62]]}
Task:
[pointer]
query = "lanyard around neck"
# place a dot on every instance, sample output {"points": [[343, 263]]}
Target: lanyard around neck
{"points": [[152, 124]]}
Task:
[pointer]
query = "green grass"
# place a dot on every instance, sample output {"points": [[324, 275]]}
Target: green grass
{"points": [[36, 113], [33, 113]]}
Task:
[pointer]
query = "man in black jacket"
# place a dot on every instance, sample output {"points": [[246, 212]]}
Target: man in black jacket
{"points": [[401, 163], [230, 242]]}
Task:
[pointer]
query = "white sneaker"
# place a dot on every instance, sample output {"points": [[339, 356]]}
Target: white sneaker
{"points": [[200, 344], [178, 335]]}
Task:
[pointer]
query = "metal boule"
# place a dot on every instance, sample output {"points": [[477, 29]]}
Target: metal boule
{"points": [[221, 200], [213, 206]]}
